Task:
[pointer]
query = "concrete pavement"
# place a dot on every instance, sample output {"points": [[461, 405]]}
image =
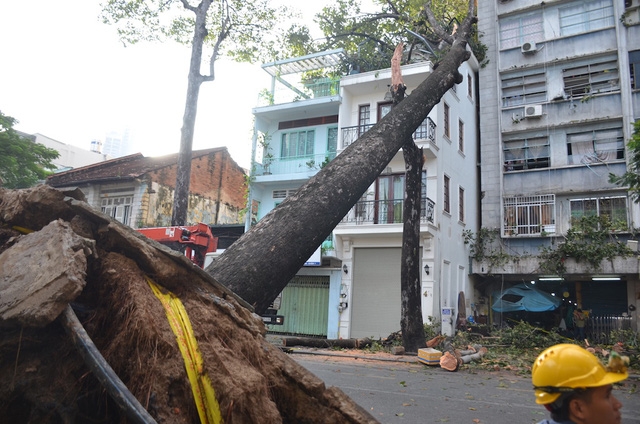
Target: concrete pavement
{"points": [[399, 389]]}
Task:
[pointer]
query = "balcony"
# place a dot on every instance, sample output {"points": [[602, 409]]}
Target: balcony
{"points": [[292, 165], [368, 212], [425, 132]]}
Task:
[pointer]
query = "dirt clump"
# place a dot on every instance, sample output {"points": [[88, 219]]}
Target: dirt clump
{"points": [[110, 265]]}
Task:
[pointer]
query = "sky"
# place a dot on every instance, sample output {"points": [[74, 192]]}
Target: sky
{"points": [[66, 75]]}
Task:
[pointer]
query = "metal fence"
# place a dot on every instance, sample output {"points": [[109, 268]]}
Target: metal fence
{"points": [[599, 328]]}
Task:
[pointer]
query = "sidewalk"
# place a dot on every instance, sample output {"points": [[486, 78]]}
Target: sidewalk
{"points": [[278, 341]]}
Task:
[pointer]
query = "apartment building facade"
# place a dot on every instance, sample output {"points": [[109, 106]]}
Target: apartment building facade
{"points": [[351, 289], [558, 99]]}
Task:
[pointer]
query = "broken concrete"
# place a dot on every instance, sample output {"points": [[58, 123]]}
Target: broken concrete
{"points": [[42, 274]]}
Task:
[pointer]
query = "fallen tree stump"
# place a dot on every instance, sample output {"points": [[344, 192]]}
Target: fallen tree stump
{"points": [[45, 379]]}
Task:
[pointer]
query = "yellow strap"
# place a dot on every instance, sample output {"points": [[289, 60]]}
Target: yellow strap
{"points": [[22, 230], [203, 393]]}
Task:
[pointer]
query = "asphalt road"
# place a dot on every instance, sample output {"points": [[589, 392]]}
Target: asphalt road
{"points": [[409, 392]]}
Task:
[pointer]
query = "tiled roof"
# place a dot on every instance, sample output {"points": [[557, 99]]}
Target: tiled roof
{"points": [[123, 168]]}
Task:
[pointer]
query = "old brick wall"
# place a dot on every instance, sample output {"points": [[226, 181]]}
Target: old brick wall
{"points": [[217, 190]]}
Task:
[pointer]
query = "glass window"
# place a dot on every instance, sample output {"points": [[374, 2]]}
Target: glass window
{"points": [[614, 208], [447, 200], [118, 208], [597, 146], [634, 65], [528, 153], [461, 136], [461, 204], [332, 143], [447, 130], [601, 76], [524, 89], [520, 29], [296, 144], [584, 16], [364, 119], [469, 86], [529, 215]]}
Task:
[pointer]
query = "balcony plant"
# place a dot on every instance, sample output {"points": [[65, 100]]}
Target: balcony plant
{"points": [[264, 140]]}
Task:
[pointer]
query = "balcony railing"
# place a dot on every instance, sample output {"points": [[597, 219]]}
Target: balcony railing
{"points": [[292, 165], [386, 212], [425, 132]]}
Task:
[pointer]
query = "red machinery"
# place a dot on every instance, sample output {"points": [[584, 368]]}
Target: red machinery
{"points": [[194, 240]]}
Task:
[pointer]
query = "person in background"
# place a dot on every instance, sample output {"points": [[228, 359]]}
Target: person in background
{"points": [[579, 320], [575, 386]]}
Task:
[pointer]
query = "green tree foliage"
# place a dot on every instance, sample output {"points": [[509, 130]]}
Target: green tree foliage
{"points": [[22, 162], [370, 38], [631, 178], [590, 239], [241, 30]]}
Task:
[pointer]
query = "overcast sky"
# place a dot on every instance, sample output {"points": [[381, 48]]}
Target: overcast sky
{"points": [[66, 75]]}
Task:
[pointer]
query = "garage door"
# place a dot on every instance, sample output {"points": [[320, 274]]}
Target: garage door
{"points": [[375, 293], [305, 306]]}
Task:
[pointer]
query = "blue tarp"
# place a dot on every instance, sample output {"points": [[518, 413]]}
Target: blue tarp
{"points": [[524, 297]]}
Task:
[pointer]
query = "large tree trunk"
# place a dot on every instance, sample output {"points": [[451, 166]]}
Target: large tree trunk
{"points": [[411, 323], [195, 79], [260, 264]]}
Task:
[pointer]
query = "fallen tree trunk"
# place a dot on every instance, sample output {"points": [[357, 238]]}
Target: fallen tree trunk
{"points": [[259, 265], [326, 343]]}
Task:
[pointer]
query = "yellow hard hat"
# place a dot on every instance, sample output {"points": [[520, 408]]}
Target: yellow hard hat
{"points": [[565, 367]]}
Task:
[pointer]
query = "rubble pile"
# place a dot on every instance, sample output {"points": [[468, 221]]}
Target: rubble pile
{"points": [[55, 251]]}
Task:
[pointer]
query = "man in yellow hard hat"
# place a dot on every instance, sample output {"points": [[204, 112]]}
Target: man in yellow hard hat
{"points": [[576, 387]]}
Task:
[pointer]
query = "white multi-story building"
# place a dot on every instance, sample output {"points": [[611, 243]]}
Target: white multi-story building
{"points": [[70, 156], [558, 99], [355, 290]]}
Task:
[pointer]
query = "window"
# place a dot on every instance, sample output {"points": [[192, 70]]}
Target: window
{"points": [[584, 16], [529, 215], [389, 199], [528, 153], [524, 89], [603, 145], [118, 208], [364, 119], [634, 64], [390, 195], [461, 136], [470, 86], [332, 143], [520, 29], [447, 200], [599, 76], [615, 208], [295, 144], [446, 129], [282, 194], [461, 204]]}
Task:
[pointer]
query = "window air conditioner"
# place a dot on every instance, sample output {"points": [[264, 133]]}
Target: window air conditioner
{"points": [[533, 111], [529, 47]]}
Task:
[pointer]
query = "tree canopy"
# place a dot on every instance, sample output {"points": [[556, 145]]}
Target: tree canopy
{"points": [[22, 162], [234, 28], [370, 38], [631, 178]]}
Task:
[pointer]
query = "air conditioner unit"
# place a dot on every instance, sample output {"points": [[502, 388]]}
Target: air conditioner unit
{"points": [[529, 47], [533, 111]]}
